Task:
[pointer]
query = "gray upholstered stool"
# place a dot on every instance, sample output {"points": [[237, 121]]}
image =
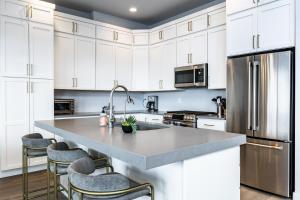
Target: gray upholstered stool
{"points": [[60, 156], [34, 145], [110, 186]]}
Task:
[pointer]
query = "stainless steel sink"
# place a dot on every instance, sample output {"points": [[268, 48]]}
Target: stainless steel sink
{"points": [[142, 126]]}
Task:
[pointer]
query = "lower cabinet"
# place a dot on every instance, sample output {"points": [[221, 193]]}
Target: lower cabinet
{"points": [[213, 124], [162, 61], [23, 101]]}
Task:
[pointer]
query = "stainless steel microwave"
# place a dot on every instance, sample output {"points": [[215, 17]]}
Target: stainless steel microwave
{"points": [[64, 106], [191, 76]]}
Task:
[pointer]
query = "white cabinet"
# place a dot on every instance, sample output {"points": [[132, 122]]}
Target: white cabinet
{"points": [[14, 120], [84, 63], [193, 25], [105, 33], [112, 35], [254, 30], [166, 33], [74, 62], [123, 37], [241, 31], [213, 124], [216, 17], [275, 35], [42, 12], [64, 61], [74, 26], [26, 49], [140, 69], [41, 45], [217, 58], [14, 47], [153, 118], [140, 39], [192, 49], [234, 6], [162, 61], [123, 58]]}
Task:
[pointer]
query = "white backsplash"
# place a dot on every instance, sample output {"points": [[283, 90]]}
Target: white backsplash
{"points": [[191, 99]]}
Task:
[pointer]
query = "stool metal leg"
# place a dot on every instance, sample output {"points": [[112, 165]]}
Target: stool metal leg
{"points": [[25, 172], [69, 191], [152, 192], [55, 182], [48, 179]]}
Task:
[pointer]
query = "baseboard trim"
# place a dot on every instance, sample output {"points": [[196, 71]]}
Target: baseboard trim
{"points": [[296, 196], [14, 172]]}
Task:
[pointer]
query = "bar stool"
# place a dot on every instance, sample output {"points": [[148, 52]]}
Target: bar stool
{"points": [[111, 186], [60, 156], [33, 146]]}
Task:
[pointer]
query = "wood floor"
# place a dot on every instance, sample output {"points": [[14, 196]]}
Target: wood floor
{"points": [[11, 189]]}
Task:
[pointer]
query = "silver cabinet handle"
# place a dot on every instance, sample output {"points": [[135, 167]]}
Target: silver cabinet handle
{"points": [[250, 84], [255, 94], [265, 146], [209, 125], [254, 2], [117, 36], [253, 41], [208, 20], [31, 69], [27, 87], [76, 27], [31, 87], [73, 82], [30, 11], [191, 26], [161, 84], [73, 27], [76, 82], [27, 11], [191, 58], [27, 69], [188, 59], [258, 41]]}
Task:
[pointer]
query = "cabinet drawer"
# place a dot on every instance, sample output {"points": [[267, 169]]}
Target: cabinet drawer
{"points": [[213, 124], [104, 33], [63, 25], [41, 14], [14, 8], [154, 118], [141, 39], [217, 18]]}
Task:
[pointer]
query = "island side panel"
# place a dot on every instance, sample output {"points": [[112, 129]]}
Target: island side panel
{"points": [[213, 176], [167, 180]]}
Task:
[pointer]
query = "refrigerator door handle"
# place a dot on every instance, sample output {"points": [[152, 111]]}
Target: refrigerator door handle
{"points": [[266, 146], [250, 88], [255, 96]]}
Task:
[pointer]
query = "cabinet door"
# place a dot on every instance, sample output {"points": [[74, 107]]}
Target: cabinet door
{"points": [[155, 67], [217, 18], [85, 63], [64, 61], [14, 47], [154, 37], [199, 23], [168, 65], [41, 108], [63, 25], [183, 28], [41, 39], [140, 68], [14, 120], [141, 39], [183, 51], [41, 14], [169, 32], [124, 65], [234, 6], [241, 32], [14, 8], [217, 58], [123, 37], [104, 33], [105, 65], [85, 29], [198, 44], [276, 35], [262, 2]]}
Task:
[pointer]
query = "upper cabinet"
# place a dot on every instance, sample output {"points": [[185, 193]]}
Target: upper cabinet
{"points": [[76, 27], [163, 34], [140, 38], [140, 67], [192, 25], [41, 12], [234, 6], [216, 18], [254, 30], [113, 35]]}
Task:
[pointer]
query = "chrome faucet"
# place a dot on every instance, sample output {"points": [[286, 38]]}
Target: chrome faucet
{"points": [[111, 112]]}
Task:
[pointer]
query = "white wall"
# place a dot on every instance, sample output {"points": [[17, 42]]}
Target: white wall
{"points": [[192, 99], [297, 109]]}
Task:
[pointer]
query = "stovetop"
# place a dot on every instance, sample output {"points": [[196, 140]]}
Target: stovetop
{"points": [[189, 112]]}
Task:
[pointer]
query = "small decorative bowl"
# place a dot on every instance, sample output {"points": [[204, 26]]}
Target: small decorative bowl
{"points": [[127, 129]]}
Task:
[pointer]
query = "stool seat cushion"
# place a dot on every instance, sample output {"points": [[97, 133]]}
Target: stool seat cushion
{"points": [[79, 176], [35, 140], [37, 153]]}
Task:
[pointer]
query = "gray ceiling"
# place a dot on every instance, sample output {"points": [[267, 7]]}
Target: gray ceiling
{"points": [[149, 11]]}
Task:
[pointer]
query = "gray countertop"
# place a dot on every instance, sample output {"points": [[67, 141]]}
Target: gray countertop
{"points": [[94, 114], [145, 149]]}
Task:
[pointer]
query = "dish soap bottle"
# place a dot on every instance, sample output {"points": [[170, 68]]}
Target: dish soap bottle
{"points": [[103, 120]]}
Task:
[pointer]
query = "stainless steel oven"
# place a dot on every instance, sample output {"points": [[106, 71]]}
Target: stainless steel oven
{"points": [[191, 76], [64, 106]]}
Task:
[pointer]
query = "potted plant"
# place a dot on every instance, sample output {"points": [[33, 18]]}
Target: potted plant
{"points": [[129, 125]]}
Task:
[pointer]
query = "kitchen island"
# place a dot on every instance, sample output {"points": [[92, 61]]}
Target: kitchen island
{"points": [[181, 163]]}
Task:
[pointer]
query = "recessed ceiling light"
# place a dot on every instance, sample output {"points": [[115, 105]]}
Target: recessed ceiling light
{"points": [[133, 9]]}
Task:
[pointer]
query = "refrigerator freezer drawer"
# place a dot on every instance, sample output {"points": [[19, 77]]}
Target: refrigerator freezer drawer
{"points": [[266, 165]]}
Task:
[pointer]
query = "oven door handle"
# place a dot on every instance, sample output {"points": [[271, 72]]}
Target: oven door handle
{"points": [[194, 76], [181, 124]]}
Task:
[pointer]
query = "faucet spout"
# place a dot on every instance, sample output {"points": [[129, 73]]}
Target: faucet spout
{"points": [[111, 114]]}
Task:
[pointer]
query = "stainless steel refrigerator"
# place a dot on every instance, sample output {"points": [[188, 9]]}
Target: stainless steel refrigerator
{"points": [[260, 104]]}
